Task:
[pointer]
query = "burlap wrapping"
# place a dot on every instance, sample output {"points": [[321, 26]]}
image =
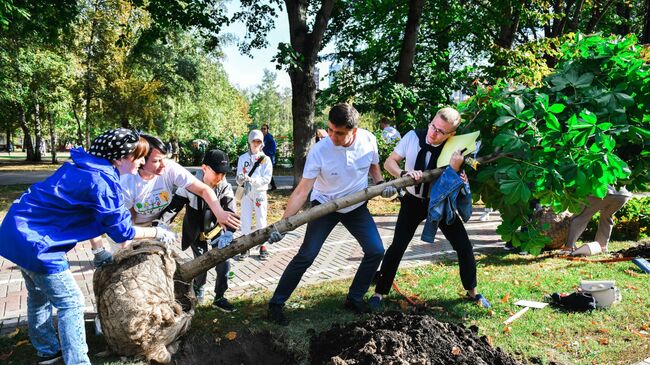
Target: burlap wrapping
{"points": [[558, 226], [142, 310]]}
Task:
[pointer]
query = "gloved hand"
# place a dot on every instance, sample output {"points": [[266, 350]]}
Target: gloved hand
{"points": [[159, 223], [389, 192], [223, 240], [165, 235], [247, 187], [241, 179], [102, 258], [275, 236]]}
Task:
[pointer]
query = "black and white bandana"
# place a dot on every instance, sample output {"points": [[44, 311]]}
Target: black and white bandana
{"points": [[114, 144]]}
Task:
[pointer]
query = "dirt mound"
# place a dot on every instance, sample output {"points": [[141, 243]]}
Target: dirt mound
{"points": [[398, 338], [642, 250], [246, 349]]}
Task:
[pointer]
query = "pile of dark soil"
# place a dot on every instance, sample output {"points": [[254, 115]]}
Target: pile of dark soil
{"points": [[398, 338], [642, 250], [247, 349]]}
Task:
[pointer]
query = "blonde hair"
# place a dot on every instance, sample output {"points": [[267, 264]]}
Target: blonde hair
{"points": [[449, 115]]}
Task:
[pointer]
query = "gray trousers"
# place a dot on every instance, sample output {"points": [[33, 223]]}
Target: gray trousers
{"points": [[607, 206]]}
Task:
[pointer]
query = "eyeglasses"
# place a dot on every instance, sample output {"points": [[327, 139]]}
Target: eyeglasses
{"points": [[438, 130]]}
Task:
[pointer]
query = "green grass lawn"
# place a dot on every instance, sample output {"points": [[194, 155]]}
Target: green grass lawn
{"points": [[617, 335]]}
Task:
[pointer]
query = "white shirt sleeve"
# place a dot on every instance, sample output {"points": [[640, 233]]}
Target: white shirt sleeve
{"points": [[375, 151], [180, 176], [403, 144], [313, 164]]}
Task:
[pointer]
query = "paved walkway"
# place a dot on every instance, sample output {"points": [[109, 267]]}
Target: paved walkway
{"points": [[339, 258]]}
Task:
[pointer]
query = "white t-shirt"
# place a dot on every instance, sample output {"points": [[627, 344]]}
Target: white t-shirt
{"points": [[341, 171], [149, 198], [261, 176], [408, 148], [390, 134]]}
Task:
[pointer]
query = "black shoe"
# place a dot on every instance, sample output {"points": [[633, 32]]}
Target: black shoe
{"points": [[357, 306], [276, 315], [224, 305], [52, 359]]}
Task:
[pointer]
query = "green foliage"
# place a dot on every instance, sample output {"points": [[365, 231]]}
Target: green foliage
{"points": [[631, 222], [586, 127], [385, 149]]}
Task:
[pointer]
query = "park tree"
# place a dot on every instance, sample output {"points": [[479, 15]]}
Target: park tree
{"points": [[586, 127], [268, 105]]}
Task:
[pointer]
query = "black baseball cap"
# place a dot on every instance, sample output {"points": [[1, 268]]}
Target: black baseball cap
{"points": [[217, 160]]}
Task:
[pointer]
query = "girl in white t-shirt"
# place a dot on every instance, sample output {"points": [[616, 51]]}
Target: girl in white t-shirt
{"points": [[255, 185]]}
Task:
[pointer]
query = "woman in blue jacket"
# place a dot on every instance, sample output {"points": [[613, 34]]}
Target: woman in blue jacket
{"points": [[80, 201]]}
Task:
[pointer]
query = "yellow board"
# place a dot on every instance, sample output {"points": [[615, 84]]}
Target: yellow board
{"points": [[466, 142]]}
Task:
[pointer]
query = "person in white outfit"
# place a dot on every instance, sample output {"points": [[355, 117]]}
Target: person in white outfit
{"points": [[388, 133], [254, 172]]}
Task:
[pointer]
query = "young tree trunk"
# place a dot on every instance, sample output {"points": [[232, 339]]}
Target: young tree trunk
{"points": [[624, 12], [38, 135], [53, 138], [191, 269], [303, 85], [27, 136], [80, 133], [599, 9], [407, 53]]}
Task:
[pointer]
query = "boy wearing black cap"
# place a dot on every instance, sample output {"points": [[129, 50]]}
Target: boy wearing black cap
{"points": [[199, 219]]}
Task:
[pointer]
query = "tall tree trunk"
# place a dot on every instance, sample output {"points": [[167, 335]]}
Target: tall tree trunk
{"points": [[303, 85], [624, 12], [407, 53], [303, 101], [88, 90], [38, 135], [53, 142], [645, 36], [27, 136]]}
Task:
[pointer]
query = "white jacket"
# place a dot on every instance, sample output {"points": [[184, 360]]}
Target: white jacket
{"points": [[263, 173]]}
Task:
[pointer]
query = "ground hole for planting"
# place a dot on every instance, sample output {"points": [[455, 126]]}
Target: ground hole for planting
{"points": [[247, 349], [642, 250], [398, 338]]}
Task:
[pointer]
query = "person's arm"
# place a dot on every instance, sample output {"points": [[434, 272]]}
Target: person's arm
{"points": [[375, 173], [298, 197], [224, 218]]}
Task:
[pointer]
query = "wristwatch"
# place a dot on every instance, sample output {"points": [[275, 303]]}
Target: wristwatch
{"points": [[402, 173]]}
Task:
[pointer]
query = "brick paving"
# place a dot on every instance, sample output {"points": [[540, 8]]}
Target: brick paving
{"points": [[338, 259]]}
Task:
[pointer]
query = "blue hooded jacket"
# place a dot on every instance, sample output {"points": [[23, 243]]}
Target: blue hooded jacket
{"points": [[81, 200], [448, 195]]}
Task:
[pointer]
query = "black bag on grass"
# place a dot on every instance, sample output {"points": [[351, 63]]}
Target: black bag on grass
{"points": [[579, 302]]}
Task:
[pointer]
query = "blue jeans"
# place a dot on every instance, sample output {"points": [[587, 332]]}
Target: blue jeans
{"points": [[61, 292], [360, 224]]}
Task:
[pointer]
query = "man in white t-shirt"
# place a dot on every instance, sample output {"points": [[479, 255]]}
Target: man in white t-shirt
{"points": [[421, 149], [388, 133], [335, 167], [149, 192]]}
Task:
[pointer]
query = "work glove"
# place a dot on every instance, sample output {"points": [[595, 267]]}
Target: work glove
{"points": [[389, 192], [165, 236], [241, 179], [275, 236], [223, 240], [102, 258]]}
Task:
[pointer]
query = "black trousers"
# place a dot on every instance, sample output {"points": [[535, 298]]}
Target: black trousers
{"points": [[412, 212], [221, 284]]}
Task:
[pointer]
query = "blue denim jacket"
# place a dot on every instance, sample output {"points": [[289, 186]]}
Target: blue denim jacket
{"points": [[448, 194]]}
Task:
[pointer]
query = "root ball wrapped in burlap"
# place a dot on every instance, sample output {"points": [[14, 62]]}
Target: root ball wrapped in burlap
{"points": [[558, 226], [142, 309]]}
